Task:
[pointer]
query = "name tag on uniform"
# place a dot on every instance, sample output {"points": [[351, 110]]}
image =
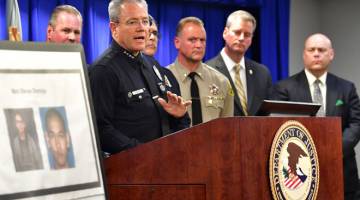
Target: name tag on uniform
{"points": [[136, 92], [139, 91]]}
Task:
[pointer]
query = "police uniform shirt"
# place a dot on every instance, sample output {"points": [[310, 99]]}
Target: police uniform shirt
{"points": [[126, 112], [216, 96]]}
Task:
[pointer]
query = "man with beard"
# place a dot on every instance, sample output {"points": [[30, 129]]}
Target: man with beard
{"points": [[58, 139]]}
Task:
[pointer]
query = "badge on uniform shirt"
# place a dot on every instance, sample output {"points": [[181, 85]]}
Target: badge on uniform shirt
{"points": [[214, 90], [167, 82], [157, 73], [162, 87]]}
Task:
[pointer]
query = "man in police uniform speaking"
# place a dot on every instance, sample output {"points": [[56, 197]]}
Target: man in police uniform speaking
{"points": [[131, 101], [209, 90]]}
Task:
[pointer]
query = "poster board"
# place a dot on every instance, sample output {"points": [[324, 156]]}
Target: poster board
{"points": [[48, 139]]}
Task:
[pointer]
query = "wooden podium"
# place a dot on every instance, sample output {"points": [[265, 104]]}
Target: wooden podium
{"points": [[224, 159]]}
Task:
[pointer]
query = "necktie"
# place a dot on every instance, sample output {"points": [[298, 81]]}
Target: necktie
{"points": [[318, 98], [195, 98], [240, 89]]}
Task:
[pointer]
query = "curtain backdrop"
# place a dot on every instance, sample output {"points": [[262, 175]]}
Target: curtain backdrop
{"points": [[270, 43]]}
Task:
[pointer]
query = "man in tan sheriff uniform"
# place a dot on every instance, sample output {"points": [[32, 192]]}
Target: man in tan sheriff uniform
{"points": [[209, 90]]}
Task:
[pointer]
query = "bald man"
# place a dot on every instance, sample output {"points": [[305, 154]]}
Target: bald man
{"points": [[337, 96]]}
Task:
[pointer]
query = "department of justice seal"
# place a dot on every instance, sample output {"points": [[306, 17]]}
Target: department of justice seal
{"points": [[294, 165]]}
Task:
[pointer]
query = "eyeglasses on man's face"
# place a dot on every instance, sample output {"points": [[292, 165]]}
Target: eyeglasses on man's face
{"points": [[137, 22]]}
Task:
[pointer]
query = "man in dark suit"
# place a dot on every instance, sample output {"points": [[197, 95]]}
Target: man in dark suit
{"points": [[337, 96], [251, 81]]}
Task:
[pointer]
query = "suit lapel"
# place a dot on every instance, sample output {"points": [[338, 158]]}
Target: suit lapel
{"points": [[303, 91], [250, 84], [331, 95], [221, 67]]}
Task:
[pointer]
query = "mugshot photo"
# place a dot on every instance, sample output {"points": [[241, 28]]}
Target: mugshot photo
{"points": [[23, 139], [57, 137]]}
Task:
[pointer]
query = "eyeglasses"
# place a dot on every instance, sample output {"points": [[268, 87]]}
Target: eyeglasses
{"points": [[137, 22]]}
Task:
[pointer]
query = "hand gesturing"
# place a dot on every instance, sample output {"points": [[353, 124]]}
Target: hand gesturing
{"points": [[175, 106]]}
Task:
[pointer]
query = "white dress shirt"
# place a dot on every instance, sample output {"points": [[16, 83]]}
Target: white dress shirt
{"points": [[230, 64]]}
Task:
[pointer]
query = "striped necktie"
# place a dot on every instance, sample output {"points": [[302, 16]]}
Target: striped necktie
{"points": [[240, 89]]}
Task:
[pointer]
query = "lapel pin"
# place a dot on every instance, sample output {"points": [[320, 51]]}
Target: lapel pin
{"points": [[250, 71]]}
